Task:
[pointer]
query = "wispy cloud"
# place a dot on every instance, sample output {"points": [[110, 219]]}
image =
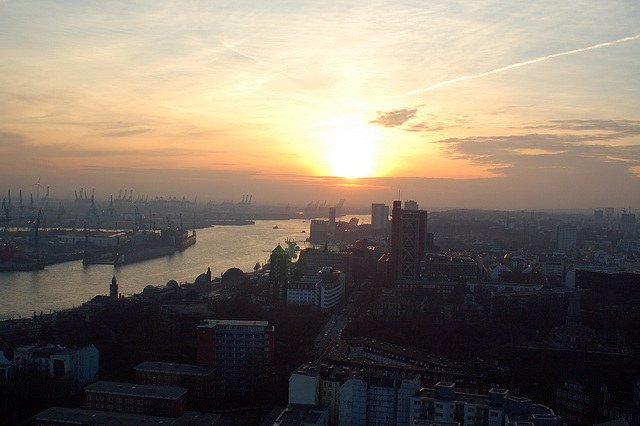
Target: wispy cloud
{"points": [[519, 64], [621, 127]]}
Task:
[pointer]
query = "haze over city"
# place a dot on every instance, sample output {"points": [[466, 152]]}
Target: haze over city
{"points": [[507, 105]]}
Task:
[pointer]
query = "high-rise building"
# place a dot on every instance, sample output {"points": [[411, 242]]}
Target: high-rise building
{"points": [[278, 275], [318, 231], [567, 236], [379, 216], [240, 351], [411, 205], [608, 212], [628, 222], [332, 221], [408, 242]]}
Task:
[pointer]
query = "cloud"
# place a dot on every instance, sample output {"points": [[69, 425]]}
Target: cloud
{"points": [[507, 154], [394, 118], [621, 127], [426, 127], [11, 141], [125, 133]]}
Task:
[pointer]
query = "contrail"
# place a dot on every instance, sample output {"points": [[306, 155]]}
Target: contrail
{"points": [[520, 64]]}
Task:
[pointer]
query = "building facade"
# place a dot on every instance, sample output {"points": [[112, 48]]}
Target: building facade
{"points": [[318, 385], [408, 242], [63, 416], [444, 405], [198, 379], [324, 293], [279, 265], [628, 224], [241, 352], [374, 355], [379, 216], [567, 237], [136, 399], [369, 398], [314, 260], [80, 365]]}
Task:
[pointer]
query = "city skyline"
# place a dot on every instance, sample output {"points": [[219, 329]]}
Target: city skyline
{"points": [[489, 105]]}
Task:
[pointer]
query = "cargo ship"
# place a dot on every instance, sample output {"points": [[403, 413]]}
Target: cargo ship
{"points": [[179, 238], [11, 259]]}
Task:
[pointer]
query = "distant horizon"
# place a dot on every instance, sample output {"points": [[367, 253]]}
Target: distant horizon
{"points": [[357, 206]]}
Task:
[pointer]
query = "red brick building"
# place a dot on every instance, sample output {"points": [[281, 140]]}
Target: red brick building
{"points": [[137, 399], [198, 379]]}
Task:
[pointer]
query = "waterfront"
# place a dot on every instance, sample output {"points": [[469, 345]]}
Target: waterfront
{"points": [[70, 284]]}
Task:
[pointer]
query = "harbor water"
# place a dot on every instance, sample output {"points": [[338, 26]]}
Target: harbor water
{"points": [[70, 284]]}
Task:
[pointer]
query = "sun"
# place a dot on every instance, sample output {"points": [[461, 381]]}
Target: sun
{"points": [[351, 149]]}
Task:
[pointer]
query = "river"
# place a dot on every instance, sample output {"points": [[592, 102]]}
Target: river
{"points": [[70, 284]]}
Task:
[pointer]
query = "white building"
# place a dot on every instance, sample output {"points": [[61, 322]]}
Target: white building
{"points": [[444, 405], [305, 385], [325, 292], [379, 216], [80, 365], [316, 384], [376, 398]]}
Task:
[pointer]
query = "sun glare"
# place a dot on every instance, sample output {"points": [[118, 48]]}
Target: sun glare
{"points": [[351, 149]]}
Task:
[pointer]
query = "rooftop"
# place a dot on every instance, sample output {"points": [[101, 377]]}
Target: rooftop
{"points": [[301, 414], [166, 367], [165, 392], [82, 416], [214, 323]]}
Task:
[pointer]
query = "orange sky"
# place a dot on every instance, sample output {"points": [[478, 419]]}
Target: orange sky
{"points": [[491, 104]]}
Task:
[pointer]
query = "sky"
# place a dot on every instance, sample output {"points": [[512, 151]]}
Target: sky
{"points": [[484, 104]]}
